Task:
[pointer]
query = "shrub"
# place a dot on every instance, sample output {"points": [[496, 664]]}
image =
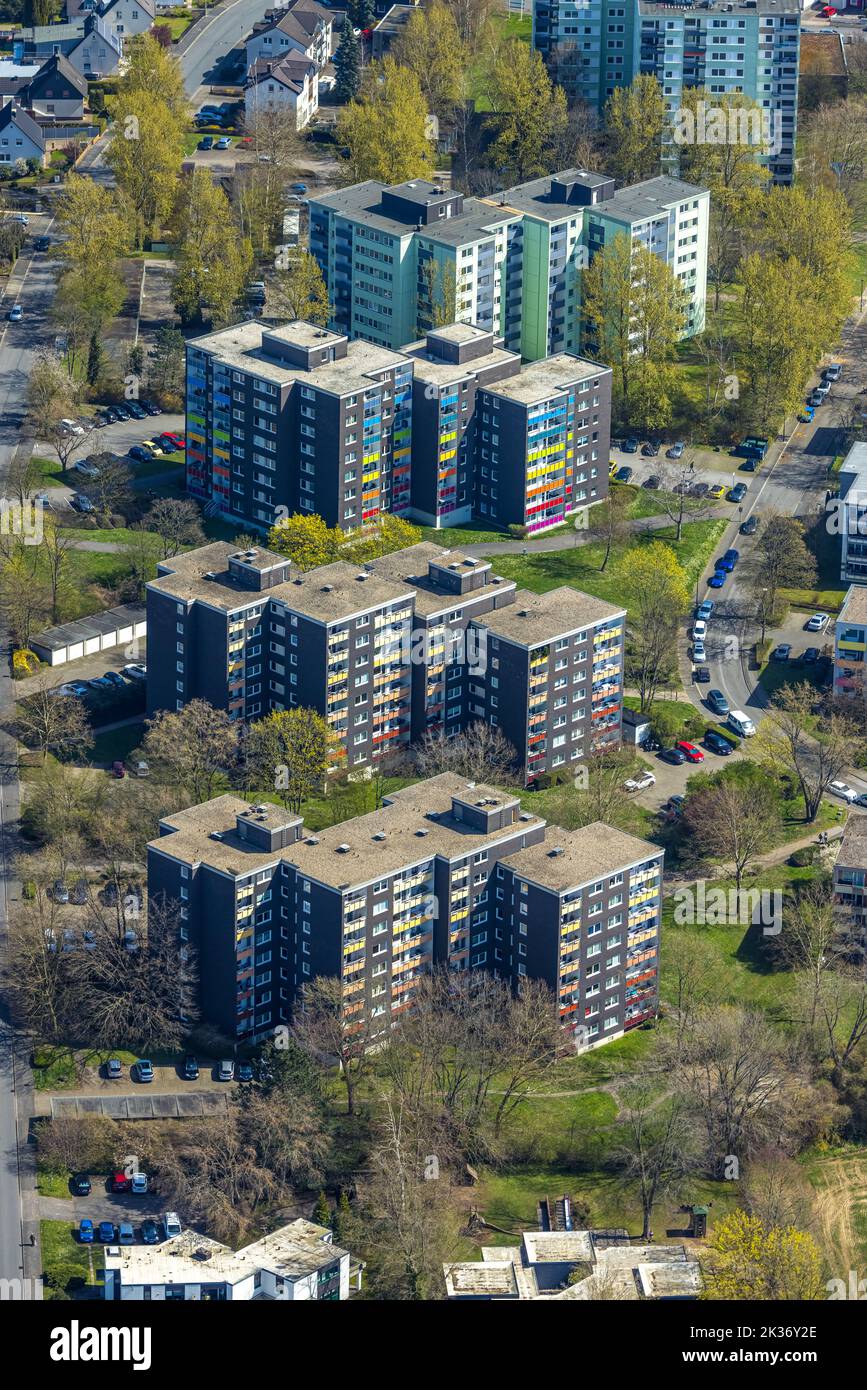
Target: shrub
{"points": [[725, 733], [802, 858], [24, 663]]}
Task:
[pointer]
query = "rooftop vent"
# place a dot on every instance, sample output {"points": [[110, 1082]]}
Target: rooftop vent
{"points": [[343, 849], [216, 834], [379, 835], [421, 832], [209, 574], [525, 815], [523, 612], [201, 1253], [312, 840], [250, 554], [554, 853]]}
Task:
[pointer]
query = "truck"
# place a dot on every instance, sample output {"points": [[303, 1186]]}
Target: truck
{"points": [[755, 446]]}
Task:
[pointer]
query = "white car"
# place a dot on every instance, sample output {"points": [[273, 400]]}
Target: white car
{"points": [[172, 1224], [71, 427], [22, 218], [89, 470], [699, 631], [843, 790], [640, 783], [698, 652], [135, 671], [139, 1184], [817, 623]]}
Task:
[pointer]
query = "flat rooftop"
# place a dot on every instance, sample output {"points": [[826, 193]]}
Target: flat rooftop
{"points": [[573, 858], [331, 593], [410, 566], [414, 824], [536, 618], [853, 846], [855, 464], [641, 201], [295, 1250], [535, 196], [854, 608], [434, 369], [240, 347], [363, 202], [537, 381]]}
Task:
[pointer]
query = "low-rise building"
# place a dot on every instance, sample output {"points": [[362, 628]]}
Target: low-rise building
{"points": [[422, 640], [99, 51], [20, 135], [128, 17], [278, 84], [298, 1263], [850, 643], [56, 90], [447, 873], [612, 1266], [302, 27]]}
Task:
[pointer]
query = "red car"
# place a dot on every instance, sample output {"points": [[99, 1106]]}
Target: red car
{"points": [[120, 1182], [828, 12], [690, 752], [177, 441]]}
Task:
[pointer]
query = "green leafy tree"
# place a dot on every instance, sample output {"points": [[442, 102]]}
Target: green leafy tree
{"points": [[291, 750], [531, 115], [431, 47], [658, 595], [307, 540], [385, 130], [635, 118], [145, 153], [212, 262], [297, 290]]}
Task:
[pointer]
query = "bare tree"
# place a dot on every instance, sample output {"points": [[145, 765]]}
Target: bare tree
{"points": [[332, 1032], [52, 723], [733, 821], [609, 524], [481, 753], [673, 494], [785, 742], [657, 1142], [177, 522], [191, 748]]}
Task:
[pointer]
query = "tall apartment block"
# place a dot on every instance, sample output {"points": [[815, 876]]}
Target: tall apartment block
{"points": [[850, 874], [298, 418], [516, 446], [723, 46], [850, 643], [851, 515], [421, 640], [398, 260], [446, 873]]}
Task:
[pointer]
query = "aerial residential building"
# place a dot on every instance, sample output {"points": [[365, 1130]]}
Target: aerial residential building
{"points": [[421, 640], [849, 510], [519, 446], [303, 27], [298, 1263], [20, 135], [56, 89], [296, 418], [604, 1264], [850, 643], [398, 261], [850, 874], [446, 873], [128, 17], [289, 83], [722, 46]]}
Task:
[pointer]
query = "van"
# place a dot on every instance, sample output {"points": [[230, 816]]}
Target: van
{"points": [[739, 723]]}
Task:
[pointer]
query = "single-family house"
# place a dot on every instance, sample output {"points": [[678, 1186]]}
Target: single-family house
{"points": [[291, 81], [306, 27], [99, 50], [56, 90], [20, 136], [128, 17]]}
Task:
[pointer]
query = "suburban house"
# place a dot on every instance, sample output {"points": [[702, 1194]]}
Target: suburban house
{"points": [[20, 136], [56, 90], [14, 76], [128, 17], [43, 40], [99, 50], [291, 81], [305, 27]]}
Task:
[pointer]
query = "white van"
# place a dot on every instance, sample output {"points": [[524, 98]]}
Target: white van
{"points": [[739, 723]]}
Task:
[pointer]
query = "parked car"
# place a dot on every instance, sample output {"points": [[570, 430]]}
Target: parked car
{"points": [[114, 678], [71, 427], [718, 702], [88, 469], [729, 560], [612, 468], [22, 218], [705, 608], [815, 398], [140, 454], [630, 445], [106, 1232], [833, 371], [650, 449], [782, 652], [226, 1071], [16, 314], [698, 651], [651, 482], [122, 411], [717, 744], [717, 579], [99, 683], [135, 670], [80, 503], [145, 1070], [811, 656], [114, 1069], [206, 142], [701, 675], [171, 442], [843, 790], [156, 449], [299, 188], [191, 1068], [699, 630], [139, 1184], [672, 755], [60, 892], [150, 1232], [699, 490], [172, 1224], [689, 751], [120, 1182], [737, 493], [41, 243], [623, 474], [716, 491], [79, 892], [85, 1231], [223, 143], [806, 413], [817, 623], [640, 783], [125, 1233], [750, 526], [676, 451], [245, 1071], [80, 1185], [823, 390]]}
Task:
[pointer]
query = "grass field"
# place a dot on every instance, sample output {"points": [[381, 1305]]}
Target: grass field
{"points": [[61, 1247], [505, 26], [116, 743]]}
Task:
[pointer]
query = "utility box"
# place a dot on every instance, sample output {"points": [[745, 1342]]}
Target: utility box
{"points": [[698, 1222]]}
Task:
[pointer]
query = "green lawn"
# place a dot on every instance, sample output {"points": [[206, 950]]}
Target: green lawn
{"points": [[456, 537], [61, 1247], [116, 744], [579, 566], [507, 26], [53, 1185], [178, 25], [50, 472]]}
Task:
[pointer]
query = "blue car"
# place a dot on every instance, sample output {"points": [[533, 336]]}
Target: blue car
{"points": [[732, 557], [106, 1231], [718, 702], [718, 580], [85, 1231], [100, 683], [114, 678], [79, 687], [705, 609], [630, 445], [726, 562]]}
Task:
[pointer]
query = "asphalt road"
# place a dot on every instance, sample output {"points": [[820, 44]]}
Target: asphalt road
{"points": [[214, 37]]}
